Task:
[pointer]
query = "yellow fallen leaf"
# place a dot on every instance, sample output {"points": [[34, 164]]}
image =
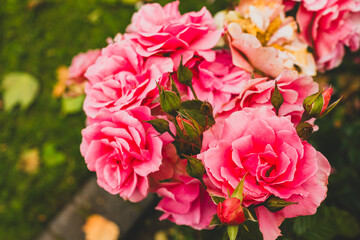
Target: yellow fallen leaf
{"points": [[29, 161], [62, 76], [100, 228], [160, 235]]}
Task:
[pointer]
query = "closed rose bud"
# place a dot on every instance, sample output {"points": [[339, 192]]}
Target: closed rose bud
{"points": [[230, 212], [326, 98]]}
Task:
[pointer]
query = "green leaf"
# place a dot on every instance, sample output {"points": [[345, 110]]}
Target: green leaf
{"points": [[19, 88], [192, 110], [217, 199], [72, 105], [232, 231], [238, 191], [327, 223], [51, 156], [274, 204]]}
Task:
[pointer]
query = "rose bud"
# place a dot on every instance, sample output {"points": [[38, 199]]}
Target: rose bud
{"points": [[230, 212], [317, 105]]}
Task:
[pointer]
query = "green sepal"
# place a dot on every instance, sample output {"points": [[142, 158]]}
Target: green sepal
{"points": [[217, 199], [238, 191], [276, 98], [331, 107], [194, 167], [192, 110], [174, 88], [191, 132], [184, 74], [170, 102], [160, 125], [232, 231], [215, 221], [249, 215], [304, 130], [274, 204]]}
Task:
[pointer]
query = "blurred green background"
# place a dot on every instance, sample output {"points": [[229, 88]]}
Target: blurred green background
{"points": [[40, 164]]}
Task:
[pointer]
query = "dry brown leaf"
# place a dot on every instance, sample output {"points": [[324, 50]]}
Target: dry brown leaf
{"points": [[62, 76], [29, 161], [99, 228]]}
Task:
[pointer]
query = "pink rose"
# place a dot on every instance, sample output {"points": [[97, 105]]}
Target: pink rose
{"points": [[80, 64], [186, 203], [230, 211], [329, 29], [122, 79], [123, 150], [219, 81], [254, 141], [164, 30], [311, 5], [257, 92]]}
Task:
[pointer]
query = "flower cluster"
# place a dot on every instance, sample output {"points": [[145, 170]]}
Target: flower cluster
{"points": [[220, 135]]}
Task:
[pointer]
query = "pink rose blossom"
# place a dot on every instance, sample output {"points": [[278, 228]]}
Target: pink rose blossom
{"points": [[122, 79], [216, 82], [256, 142], [311, 5], [186, 203], [257, 92], [329, 29], [123, 150], [164, 30], [80, 63]]}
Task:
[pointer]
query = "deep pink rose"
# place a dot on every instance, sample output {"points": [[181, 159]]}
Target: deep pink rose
{"points": [[164, 30], [257, 92], [80, 64], [186, 202], [219, 81], [122, 79], [329, 29], [254, 141], [230, 211], [123, 150]]}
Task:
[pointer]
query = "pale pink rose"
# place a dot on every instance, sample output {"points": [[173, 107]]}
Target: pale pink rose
{"points": [[123, 150], [122, 79], [219, 81], [164, 30], [330, 29], [257, 93], [186, 202], [80, 64], [260, 28], [256, 142]]}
